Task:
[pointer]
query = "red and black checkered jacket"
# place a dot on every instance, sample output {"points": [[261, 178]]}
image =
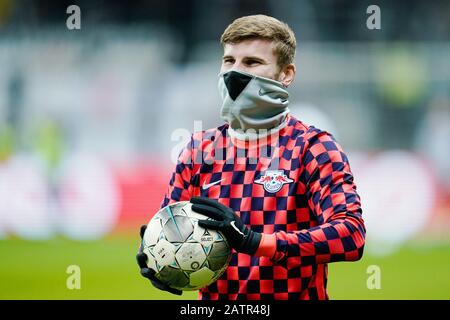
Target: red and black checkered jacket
{"points": [[295, 186]]}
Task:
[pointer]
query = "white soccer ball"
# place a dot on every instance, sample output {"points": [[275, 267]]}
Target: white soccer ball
{"points": [[184, 255]]}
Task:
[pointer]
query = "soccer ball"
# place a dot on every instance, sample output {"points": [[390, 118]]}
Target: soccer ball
{"points": [[184, 255]]}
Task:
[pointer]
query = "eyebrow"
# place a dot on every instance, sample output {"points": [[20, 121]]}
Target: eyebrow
{"points": [[245, 58]]}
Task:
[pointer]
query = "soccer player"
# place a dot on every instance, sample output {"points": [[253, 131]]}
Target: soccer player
{"points": [[280, 190]]}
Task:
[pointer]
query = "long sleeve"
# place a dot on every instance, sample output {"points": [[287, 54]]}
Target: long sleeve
{"points": [[332, 197]]}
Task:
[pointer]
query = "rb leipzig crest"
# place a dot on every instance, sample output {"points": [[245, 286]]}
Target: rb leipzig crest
{"points": [[273, 180]]}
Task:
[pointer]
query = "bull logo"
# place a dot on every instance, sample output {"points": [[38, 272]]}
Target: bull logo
{"points": [[273, 180]]}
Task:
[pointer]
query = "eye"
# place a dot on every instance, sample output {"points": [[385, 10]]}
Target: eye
{"points": [[252, 62], [228, 60]]}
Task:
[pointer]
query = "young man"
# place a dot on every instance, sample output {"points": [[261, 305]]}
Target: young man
{"points": [[280, 191]]}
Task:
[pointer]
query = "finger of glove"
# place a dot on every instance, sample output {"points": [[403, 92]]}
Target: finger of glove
{"points": [[142, 260], [209, 202], [211, 224], [142, 231], [159, 285], [164, 287], [175, 291], [208, 211], [150, 274]]}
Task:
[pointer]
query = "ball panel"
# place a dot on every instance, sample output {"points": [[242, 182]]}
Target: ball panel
{"points": [[190, 256], [219, 255], [173, 277], [152, 233], [203, 236], [201, 278], [170, 211], [178, 229], [164, 253]]}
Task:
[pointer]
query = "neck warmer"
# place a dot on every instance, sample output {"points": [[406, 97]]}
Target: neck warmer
{"points": [[252, 102]]}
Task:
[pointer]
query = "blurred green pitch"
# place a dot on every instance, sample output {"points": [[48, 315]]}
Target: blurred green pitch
{"points": [[37, 270]]}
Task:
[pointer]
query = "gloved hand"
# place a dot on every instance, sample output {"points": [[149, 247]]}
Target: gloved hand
{"points": [[148, 273], [238, 235]]}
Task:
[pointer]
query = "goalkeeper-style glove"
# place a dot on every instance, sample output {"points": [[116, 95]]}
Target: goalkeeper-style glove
{"points": [[148, 273], [238, 235]]}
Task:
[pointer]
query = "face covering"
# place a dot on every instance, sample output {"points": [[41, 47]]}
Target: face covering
{"points": [[250, 101]]}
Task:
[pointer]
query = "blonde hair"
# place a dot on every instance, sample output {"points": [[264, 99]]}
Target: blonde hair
{"points": [[263, 27]]}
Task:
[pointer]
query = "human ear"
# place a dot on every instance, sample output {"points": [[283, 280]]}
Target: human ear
{"points": [[287, 75]]}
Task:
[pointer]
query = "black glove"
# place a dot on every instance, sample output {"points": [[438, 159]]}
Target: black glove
{"points": [[148, 273], [238, 235]]}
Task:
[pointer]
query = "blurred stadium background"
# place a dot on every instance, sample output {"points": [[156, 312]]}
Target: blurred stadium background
{"points": [[90, 119]]}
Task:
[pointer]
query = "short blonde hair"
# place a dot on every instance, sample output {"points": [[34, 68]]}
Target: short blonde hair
{"points": [[263, 27]]}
